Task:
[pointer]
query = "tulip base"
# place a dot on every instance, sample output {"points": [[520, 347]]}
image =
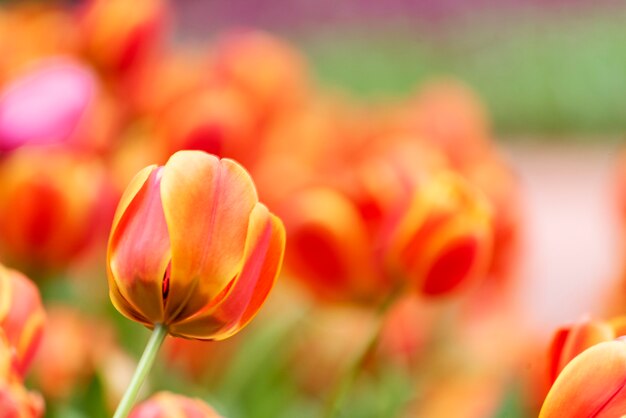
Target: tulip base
{"points": [[143, 368]]}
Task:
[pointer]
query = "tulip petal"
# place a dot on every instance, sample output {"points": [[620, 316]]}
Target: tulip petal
{"points": [[207, 203], [265, 244], [328, 244], [139, 249], [592, 385]]}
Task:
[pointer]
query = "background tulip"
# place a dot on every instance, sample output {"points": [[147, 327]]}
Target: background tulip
{"points": [[168, 405], [52, 206], [46, 105], [444, 240], [22, 316]]}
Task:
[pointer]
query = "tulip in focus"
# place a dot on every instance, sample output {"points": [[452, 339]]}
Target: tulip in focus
{"points": [[46, 105], [169, 405], [22, 317], [192, 249], [591, 385]]}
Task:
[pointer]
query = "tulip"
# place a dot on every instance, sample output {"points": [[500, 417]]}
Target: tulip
{"points": [[278, 80], [192, 248], [119, 36], [591, 385], [449, 115], [217, 120], [192, 252], [166, 405], [569, 341], [444, 239], [65, 359], [46, 105], [50, 208], [15, 400], [330, 247], [22, 316]]}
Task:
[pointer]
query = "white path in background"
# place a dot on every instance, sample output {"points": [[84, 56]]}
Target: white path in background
{"points": [[572, 243]]}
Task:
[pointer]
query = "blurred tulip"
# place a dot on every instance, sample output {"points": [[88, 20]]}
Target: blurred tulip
{"points": [[51, 208], [591, 385], [216, 120], [449, 115], [569, 341], [502, 189], [15, 400], [46, 105], [330, 247], [191, 248], [22, 316], [278, 80], [119, 36], [65, 360], [444, 240], [169, 405], [31, 31]]}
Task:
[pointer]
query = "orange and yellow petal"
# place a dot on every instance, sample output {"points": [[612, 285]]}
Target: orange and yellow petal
{"points": [[592, 385], [139, 250], [231, 311], [207, 203], [328, 245]]}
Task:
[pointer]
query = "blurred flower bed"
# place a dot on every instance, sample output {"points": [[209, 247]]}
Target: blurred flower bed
{"points": [[402, 230]]}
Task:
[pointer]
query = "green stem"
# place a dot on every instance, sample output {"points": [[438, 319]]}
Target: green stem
{"points": [[347, 380], [143, 368]]}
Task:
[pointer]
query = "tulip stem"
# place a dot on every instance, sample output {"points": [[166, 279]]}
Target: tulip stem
{"points": [[143, 368], [346, 381]]}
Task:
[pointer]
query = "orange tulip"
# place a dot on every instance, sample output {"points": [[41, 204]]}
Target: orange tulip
{"points": [[22, 316], [169, 405], [192, 248], [217, 120], [571, 340], [278, 79], [591, 385], [15, 400], [444, 239], [119, 36], [50, 208]]}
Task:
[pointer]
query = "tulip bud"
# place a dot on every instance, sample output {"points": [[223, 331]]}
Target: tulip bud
{"points": [[192, 248], [22, 316], [444, 240], [50, 205], [46, 105], [591, 385], [166, 405]]}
